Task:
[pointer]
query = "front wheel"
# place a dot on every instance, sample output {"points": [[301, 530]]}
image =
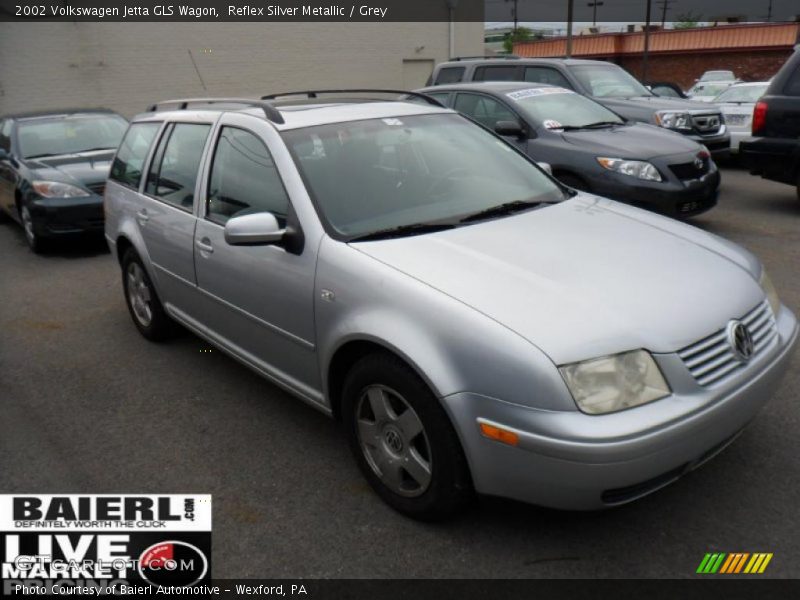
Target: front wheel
{"points": [[403, 440], [35, 241]]}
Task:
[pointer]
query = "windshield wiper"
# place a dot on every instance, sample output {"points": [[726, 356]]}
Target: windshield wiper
{"points": [[95, 149], [402, 230], [503, 209], [597, 125]]}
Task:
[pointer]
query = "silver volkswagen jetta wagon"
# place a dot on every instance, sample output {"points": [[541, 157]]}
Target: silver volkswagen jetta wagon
{"points": [[475, 325]]}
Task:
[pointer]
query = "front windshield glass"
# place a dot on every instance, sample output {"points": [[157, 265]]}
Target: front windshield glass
{"points": [[372, 175], [717, 76], [745, 93], [554, 108], [609, 81], [69, 135]]}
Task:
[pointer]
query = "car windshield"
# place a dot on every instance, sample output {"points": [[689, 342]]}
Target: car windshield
{"points": [[609, 81], [744, 93], [709, 89], [718, 76], [70, 135], [556, 108], [379, 174]]}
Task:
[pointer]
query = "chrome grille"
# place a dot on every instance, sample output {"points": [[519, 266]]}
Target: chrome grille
{"points": [[98, 188], [712, 358], [707, 124]]}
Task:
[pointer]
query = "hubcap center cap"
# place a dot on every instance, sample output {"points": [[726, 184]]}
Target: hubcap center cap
{"points": [[393, 440]]}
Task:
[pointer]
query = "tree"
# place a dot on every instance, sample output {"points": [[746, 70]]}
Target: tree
{"points": [[520, 34], [687, 20]]}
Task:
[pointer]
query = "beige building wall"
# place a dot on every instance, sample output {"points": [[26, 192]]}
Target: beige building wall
{"points": [[126, 66]]}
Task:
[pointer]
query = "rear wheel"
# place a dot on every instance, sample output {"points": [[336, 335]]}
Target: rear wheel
{"points": [[403, 440], [143, 304]]}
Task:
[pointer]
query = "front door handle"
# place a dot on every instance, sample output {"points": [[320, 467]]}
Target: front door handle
{"points": [[204, 245], [142, 216]]}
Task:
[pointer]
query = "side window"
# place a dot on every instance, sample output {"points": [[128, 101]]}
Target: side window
{"points": [[483, 109], [244, 178], [173, 174], [792, 87], [449, 75], [442, 97], [497, 73], [129, 161], [546, 75]]}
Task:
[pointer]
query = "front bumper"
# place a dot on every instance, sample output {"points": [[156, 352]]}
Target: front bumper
{"points": [[777, 159], [671, 197], [572, 460], [64, 216]]}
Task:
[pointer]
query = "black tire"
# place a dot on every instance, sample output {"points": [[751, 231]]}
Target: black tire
{"points": [[159, 326], [449, 487], [36, 242], [573, 181]]}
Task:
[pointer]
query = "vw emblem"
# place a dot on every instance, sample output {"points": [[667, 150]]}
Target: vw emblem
{"points": [[741, 340], [393, 440]]}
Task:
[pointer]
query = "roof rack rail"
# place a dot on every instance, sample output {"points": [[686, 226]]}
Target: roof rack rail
{"points": [[313, 94], [270, 111], [486, 57]]}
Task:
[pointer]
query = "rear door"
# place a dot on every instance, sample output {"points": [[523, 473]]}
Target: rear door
{"points": [[166, 211], [258, 301]]}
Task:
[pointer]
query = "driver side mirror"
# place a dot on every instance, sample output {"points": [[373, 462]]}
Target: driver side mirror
{"points": [[509, 129], [258, 229]]}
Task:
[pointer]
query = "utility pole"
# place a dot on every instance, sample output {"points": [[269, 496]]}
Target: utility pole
{"points": [[570, 6], [665, 4], [769, 12], [594, 6], [646, 42], [514, 13]]}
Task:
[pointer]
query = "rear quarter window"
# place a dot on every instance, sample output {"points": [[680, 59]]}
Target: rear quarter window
{"points": [[129, 161]]}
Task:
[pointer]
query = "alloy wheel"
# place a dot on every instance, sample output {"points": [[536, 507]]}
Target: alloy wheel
{"points": [[393, 440], [139, 294]]}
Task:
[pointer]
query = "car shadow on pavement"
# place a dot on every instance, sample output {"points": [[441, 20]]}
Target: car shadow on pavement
{"points": [[83, 246]]}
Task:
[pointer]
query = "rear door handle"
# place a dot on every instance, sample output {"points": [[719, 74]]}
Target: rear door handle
{"points": [[142, 216], [204, 245]]}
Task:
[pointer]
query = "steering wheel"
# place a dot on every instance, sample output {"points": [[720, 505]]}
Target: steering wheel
{"points": [[433, 188]]}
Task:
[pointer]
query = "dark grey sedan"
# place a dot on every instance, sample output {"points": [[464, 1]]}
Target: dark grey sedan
{"points": [[591, 148]]}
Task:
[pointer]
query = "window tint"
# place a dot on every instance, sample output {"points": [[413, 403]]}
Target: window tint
{"points": [[5, 135], [546, 75], [498, 73], [174, 172], [792, 87], [244, 178], [450, 75], [442, 97], [483, 109], [129, 161]]}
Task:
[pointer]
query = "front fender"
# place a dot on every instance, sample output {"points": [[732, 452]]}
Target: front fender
{"points": [[453, 347]]}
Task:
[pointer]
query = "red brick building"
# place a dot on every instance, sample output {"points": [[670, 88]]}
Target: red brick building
{"points": [[754, 52]]}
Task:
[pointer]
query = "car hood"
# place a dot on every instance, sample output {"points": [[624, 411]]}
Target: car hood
{"points": [[585, 278], [635, 141], [78, 169], [655, 103]]}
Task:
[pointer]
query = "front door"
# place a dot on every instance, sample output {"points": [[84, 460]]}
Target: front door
{"points": [[259, 299]]}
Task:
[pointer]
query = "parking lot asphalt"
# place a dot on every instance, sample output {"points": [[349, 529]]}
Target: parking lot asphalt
{"points": [[88, 405]]}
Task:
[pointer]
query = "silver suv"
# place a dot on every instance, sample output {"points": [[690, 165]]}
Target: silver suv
{"points": [[475, 325]]}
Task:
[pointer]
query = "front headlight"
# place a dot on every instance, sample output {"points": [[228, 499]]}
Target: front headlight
{"points": [[56, 189], [612, 383], [635, 168], [772, 293], [674, 120]]}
